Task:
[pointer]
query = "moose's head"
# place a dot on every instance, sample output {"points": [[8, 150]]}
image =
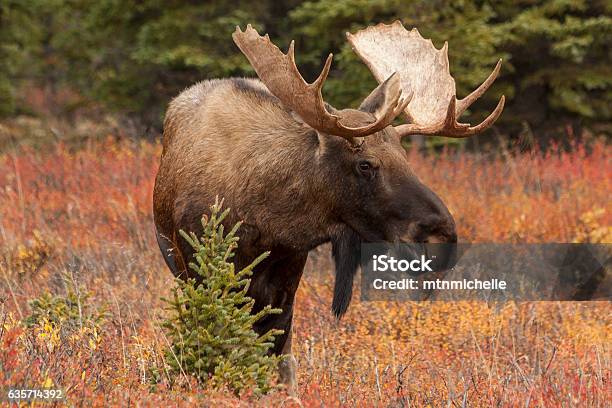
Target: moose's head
{"points": [[370, 186]]}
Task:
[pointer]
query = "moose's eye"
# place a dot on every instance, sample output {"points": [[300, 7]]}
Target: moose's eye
{"points": [[366, 169], [364, 166]]}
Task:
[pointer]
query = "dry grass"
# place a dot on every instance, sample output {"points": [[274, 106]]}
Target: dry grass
{"points": [[85, 216]]}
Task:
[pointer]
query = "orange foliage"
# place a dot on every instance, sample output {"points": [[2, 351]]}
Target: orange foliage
{"points": [[87, 214]]}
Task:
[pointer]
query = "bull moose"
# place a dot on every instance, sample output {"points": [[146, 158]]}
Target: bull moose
{"points": [[300, 173]]}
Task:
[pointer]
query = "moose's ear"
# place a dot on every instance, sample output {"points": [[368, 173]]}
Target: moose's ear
{"points": [[375, 103]]}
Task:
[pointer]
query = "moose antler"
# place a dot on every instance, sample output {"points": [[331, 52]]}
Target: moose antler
{"points": [[424, 70], [280, 74]]}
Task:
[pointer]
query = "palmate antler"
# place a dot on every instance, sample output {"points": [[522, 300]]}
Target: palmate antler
{"points": [[280, 74], [424, 71]]}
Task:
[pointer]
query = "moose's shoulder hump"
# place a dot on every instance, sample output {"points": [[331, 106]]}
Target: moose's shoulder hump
{"points": [[255, 88]]}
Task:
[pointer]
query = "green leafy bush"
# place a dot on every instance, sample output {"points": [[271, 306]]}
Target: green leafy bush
{"points": [[210, 326]]}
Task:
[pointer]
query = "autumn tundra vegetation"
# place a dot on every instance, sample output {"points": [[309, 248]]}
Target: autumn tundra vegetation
{"points": [[57, 238]]}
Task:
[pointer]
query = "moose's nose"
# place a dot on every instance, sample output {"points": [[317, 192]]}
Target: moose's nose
{"points": [[436, 239], [434, 228]]}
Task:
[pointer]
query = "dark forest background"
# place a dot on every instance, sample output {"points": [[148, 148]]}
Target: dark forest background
{"points": [[119, 62]]}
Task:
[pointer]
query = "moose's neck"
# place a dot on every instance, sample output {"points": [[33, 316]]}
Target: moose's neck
{"points": [[283, 192]]}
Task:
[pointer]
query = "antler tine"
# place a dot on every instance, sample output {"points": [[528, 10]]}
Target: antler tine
{"points": [[324, 72], [465, 103], [280, 74], [488, 122], [449, 126]]}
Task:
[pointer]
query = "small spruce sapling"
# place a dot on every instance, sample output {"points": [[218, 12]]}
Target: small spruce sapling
{"points": [[210, 327]]}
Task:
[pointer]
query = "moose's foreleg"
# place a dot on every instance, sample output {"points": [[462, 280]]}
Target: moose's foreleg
{"points": [[275, 283]]}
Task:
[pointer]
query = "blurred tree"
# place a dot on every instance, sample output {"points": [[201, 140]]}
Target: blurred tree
{"points": [[19, 36], [560, 62], [135, 55]]}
